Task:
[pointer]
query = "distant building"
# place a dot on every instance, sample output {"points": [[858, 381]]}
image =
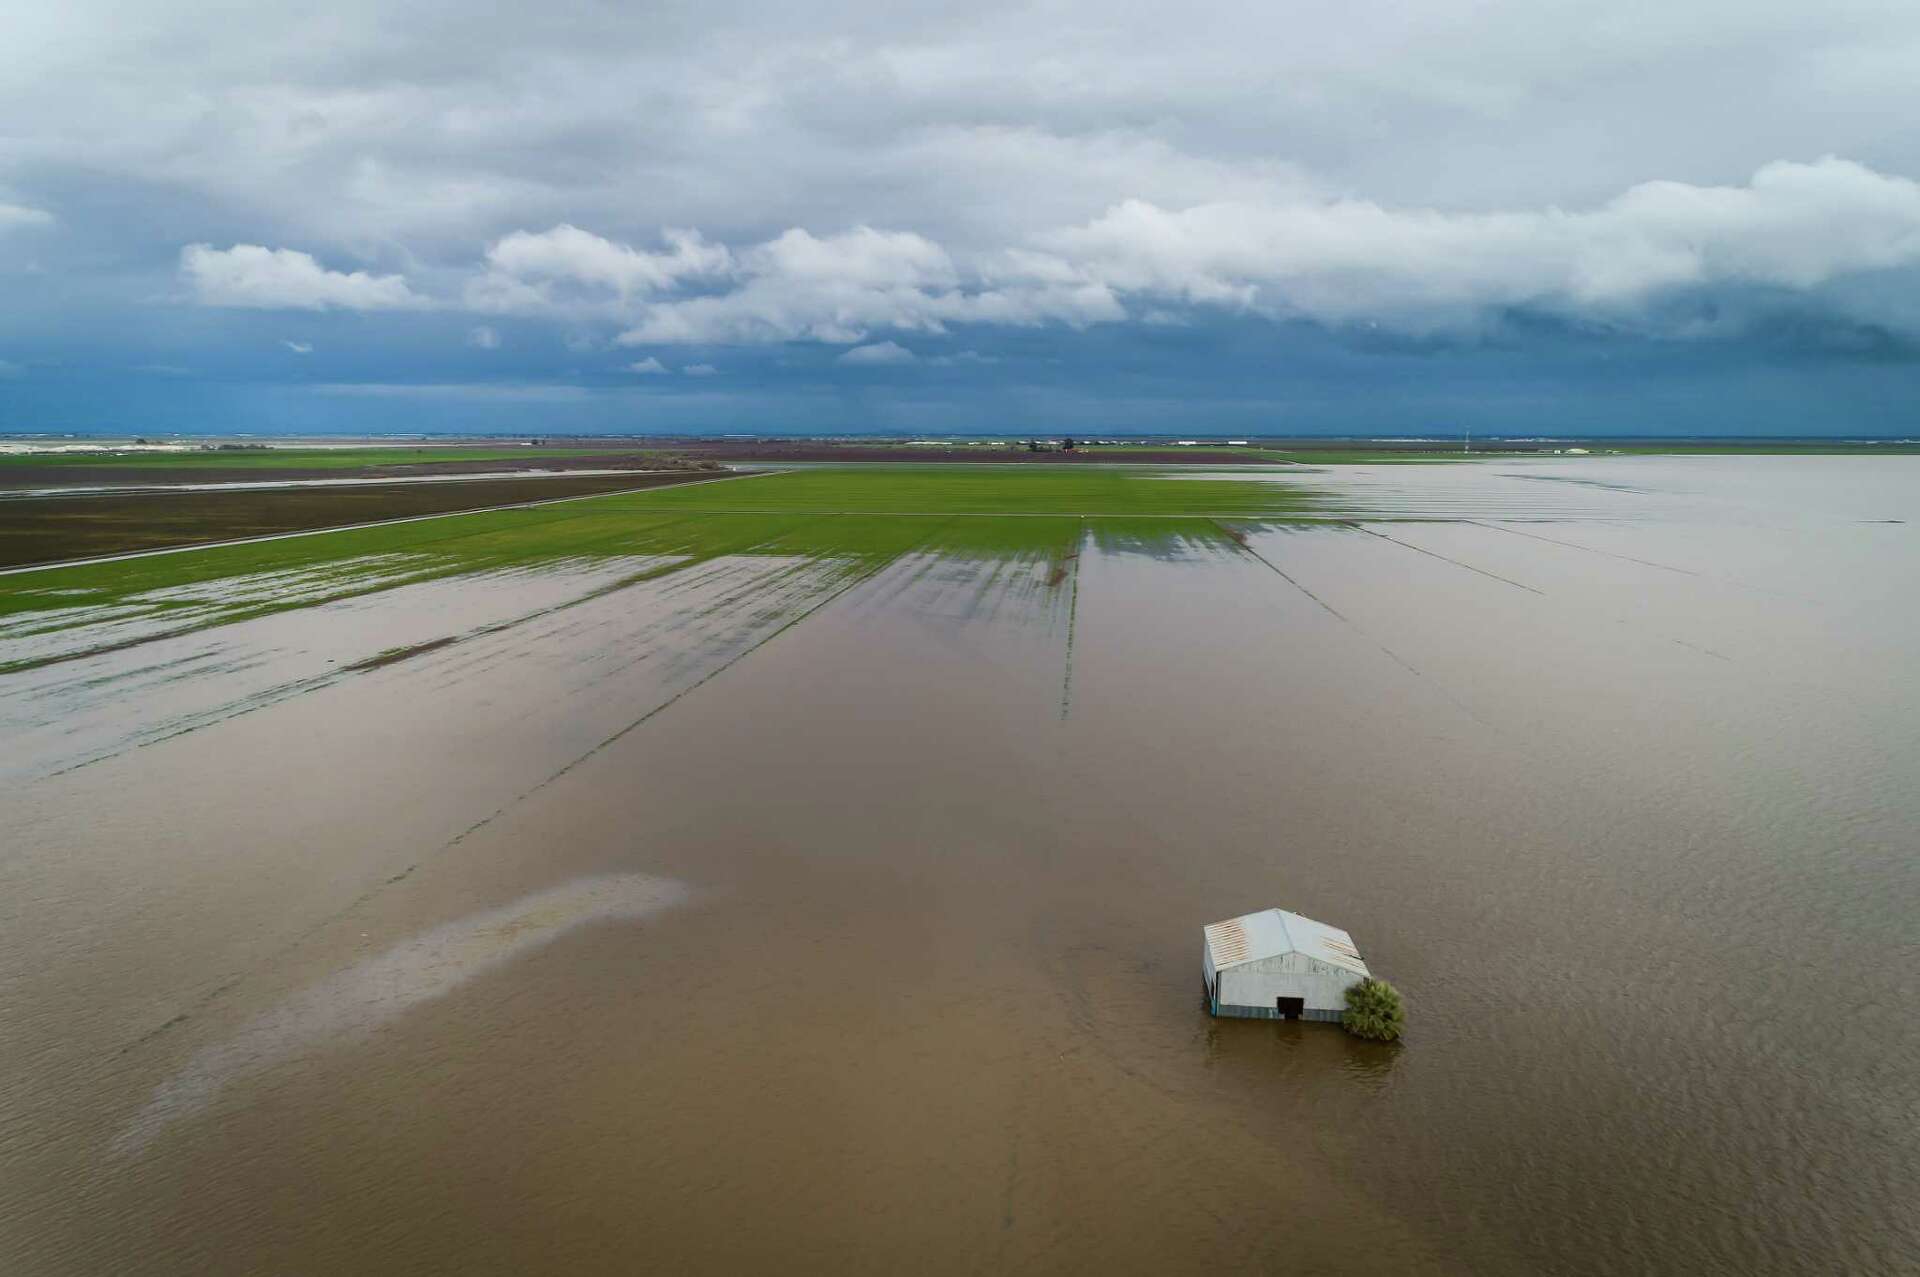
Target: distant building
{"points": [[1275, 965]]}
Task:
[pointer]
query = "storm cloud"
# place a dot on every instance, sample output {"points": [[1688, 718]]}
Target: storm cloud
{"points": [[1062, 189]]}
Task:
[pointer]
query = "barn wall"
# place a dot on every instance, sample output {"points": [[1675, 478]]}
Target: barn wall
{"points": [[1248, 988]]}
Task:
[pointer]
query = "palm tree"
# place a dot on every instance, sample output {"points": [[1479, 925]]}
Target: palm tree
{"points": [[1374, 1011]]}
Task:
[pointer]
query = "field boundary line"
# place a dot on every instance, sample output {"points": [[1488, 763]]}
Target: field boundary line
{"points": [[855, 579], [376, 523], [1361, 630], [1250, 516], [1408, 545], [298, 485]]}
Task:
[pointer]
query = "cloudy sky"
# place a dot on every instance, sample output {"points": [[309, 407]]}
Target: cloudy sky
{"points": [[1523, 216]]}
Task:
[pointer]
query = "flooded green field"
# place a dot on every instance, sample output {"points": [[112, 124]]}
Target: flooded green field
{"points": [[805, 871]]}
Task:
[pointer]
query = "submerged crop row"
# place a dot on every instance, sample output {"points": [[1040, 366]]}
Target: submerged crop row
{"points": [[1079, 491], [858, 515]]}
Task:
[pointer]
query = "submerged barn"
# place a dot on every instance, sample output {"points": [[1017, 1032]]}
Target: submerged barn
{"points": [[1275, 965]]}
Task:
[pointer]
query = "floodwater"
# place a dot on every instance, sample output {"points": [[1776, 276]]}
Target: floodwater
{"points": [[770, 915]]}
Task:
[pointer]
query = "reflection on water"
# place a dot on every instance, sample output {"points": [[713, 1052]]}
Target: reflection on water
{"points": [[344, 1008], [1623, 802]]}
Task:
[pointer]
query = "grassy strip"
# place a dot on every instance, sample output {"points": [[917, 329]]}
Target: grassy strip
{"points": [[861, 515], [954, 488], [658, 522]]}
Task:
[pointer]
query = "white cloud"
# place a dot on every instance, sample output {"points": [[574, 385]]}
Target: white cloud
{"points": [[1795, 226], [1289, 253], [434, 127], [298, 347], [699, 370], [1032, 164], [862, 258], [484, 337], [474, 390], [802, 286], [1794, 230], [649, 367], [838, 288], [19, 215], [252, 277], [878, 355], [544, 270]]}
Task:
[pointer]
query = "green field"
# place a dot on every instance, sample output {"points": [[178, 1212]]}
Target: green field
{"points": [[859, 517], [1070, 490]]}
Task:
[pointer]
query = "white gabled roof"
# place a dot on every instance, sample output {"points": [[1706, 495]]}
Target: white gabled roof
{"points": [[1273, 932]]}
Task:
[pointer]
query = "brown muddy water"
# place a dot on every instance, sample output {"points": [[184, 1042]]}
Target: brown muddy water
{"points": [[745, 918]]}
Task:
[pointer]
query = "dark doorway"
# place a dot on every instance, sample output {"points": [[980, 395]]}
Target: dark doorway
{"points": [[1291, 1008]]}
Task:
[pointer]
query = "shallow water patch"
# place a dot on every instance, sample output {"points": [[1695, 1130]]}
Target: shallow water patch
{"points": [[344, 1008]]}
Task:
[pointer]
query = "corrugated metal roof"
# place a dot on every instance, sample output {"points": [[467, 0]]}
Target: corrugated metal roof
{"points": [[1273, 932]]}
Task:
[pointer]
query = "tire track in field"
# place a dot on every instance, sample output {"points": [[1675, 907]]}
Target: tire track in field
{"points": [[424, 571], [1239, 539], [265, 698], [1073, 616], [24, 568], [1664, 567], [1574, 545], [1624, 622], [1408, 545], [879, 564]]}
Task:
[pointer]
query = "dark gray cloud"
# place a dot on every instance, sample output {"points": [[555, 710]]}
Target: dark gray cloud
{"points": [[624, 185], [434, 125]]}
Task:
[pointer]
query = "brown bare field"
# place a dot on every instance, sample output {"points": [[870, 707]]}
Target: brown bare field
{"points": [[130, 473], [57, 528]]}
